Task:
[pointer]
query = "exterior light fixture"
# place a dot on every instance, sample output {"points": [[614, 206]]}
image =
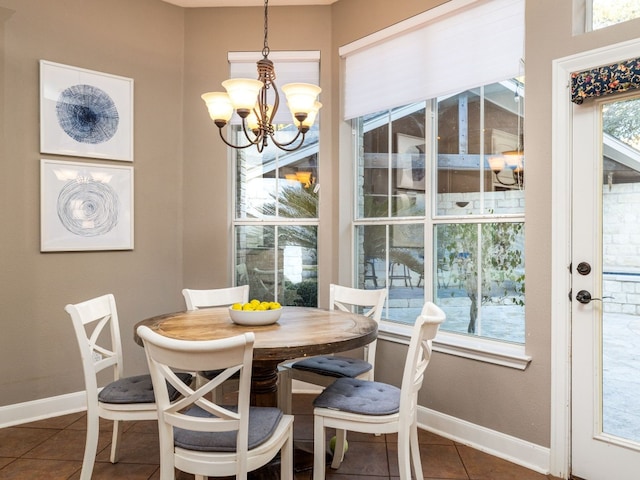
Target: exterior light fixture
{"points": [[257, 101]]}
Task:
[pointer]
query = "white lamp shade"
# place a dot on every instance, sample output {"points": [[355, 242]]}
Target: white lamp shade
{"points": [[311, 116], [219, 105], [301, 97], [496, 163], [243, 92]]}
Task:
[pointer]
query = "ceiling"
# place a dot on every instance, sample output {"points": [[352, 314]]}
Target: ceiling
{"points": [[245, 3]]}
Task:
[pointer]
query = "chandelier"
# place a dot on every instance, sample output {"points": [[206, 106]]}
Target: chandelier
{"points": [[256, 103]]}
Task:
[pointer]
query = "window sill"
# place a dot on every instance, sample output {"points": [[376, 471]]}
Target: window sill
{"points": [[488, 351]]}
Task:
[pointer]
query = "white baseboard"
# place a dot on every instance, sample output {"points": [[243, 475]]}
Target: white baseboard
{"points": [[503, 446], [512, 449], [26, 412]]}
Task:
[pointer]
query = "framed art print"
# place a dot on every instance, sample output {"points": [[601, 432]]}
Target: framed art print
{"points": [[85, 206], [85, 113]]}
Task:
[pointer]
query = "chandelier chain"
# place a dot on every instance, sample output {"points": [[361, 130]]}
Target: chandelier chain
{"points": [[265, 49]]}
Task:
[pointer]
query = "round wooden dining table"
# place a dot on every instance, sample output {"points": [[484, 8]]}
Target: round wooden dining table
{"points": [[300, 332]]}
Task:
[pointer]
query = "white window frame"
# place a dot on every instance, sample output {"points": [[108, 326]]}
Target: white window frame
{"points": [[477, 348]]}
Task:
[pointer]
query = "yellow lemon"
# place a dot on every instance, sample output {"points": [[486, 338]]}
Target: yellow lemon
{"points": [[236, 306], [274, 305], [255, 302], [261, 307], [248, 306]]}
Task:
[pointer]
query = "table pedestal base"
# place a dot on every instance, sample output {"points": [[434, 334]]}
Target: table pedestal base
{"points": [[264, 384]]}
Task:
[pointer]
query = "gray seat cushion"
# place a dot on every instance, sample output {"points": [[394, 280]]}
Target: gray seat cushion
{"points": [[262, 423], [360, 396], [333, 366], [211, 374], [138, 389]]}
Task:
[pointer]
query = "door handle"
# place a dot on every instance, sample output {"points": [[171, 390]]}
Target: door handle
{"points": [[584, 297]]}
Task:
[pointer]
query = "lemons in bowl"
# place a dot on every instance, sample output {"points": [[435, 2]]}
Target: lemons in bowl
{"points": [[255, 312]]}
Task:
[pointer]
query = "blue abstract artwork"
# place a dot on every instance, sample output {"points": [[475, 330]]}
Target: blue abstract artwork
{"points": [[87, 207], [87, 114]]}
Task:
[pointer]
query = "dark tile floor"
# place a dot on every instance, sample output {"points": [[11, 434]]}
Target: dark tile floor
{"points": [[52, 449]]}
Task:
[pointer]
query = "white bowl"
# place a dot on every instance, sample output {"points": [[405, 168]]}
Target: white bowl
{"points": [[255, 317]]}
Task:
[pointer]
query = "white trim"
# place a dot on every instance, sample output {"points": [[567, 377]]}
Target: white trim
{"points": [[32, 411], [403, 27], [511, 449], [561, 241], [475, 348], [279, 56]]}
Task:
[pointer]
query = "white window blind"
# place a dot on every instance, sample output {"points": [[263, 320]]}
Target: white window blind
{"points": [[460, 45], [290, 67]]}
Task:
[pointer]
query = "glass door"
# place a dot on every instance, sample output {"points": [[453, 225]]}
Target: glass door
{"points": [[606, 290]]}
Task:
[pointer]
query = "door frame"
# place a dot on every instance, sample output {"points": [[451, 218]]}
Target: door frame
{"points": [[561, 169]]}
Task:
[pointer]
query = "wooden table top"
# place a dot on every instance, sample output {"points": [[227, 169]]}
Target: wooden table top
{"points": [[300, 331]]}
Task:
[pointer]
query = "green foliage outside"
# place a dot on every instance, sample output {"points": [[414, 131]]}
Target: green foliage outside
{"points": [[493, 275]]}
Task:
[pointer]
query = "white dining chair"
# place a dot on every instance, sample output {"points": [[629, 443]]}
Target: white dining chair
{"points": [[378, 408], [215, 297], [97, 330], [198, 435], [322, 370]]}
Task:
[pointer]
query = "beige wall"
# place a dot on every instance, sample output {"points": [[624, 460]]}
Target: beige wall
{"points": [[182, 188], [142, 40]]}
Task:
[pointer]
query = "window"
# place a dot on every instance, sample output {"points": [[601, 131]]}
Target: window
{"points": [[449, 191], [439, 180], [610, 12], [276, 197], [276, 222]]}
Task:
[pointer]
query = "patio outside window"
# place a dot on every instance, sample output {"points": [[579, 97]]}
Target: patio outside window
{"points": [[276, 221], [440, 209]]}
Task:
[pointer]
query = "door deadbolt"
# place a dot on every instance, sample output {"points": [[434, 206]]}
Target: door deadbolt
{"points": [[584, 268]]}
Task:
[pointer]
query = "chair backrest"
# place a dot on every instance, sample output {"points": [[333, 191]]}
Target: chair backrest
{"points": [[346, 298], [418, 357], [234, 354], [215, 297], [97, 351], [372, 301]]}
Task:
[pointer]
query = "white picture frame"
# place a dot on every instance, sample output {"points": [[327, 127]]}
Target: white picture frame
{"points": [[85, 113], [85, 206]]}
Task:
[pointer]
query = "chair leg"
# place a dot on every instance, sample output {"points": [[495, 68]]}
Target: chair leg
{"points": [[415, 453], [404, 455], [284, 392], [319, 448], [286, 458], [90, 446], [338, 450], [115, 441], [167, 462]]}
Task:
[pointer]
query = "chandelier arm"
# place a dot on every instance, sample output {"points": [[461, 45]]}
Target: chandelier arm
{"points": [[284, 146], [516, 179], [290, 142], [254, 141], [231, 144]]}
